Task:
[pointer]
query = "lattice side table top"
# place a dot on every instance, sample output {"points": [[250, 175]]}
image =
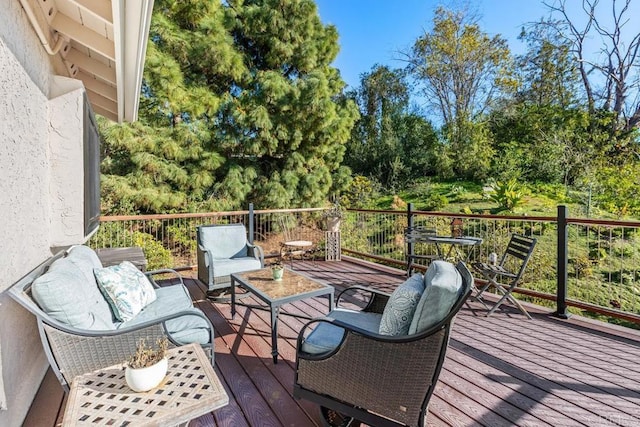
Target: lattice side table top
{"points": [[190, 389]]}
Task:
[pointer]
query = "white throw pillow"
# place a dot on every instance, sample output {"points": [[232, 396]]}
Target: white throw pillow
{"points": [[126, 288]]}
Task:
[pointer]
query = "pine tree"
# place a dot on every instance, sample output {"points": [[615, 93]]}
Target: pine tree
{"points": [[239, 104]]}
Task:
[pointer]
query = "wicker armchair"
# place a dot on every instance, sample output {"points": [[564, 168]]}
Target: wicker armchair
{"points": [[372, 378], [72, 351]]}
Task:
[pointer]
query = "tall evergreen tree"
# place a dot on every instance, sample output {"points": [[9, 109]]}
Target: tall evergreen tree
{"points": [[240, 104]]}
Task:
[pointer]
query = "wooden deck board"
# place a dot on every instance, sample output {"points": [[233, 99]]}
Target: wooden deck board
{"points": [[502, 370]]}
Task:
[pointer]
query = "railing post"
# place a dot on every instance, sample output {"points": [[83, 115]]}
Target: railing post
{"points": [[251, 223], [409, 253], [563, 261]]}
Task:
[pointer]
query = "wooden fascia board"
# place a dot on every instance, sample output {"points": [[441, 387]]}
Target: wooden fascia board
{"points": [[131, 47]]}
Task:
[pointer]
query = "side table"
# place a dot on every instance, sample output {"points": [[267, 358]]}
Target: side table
{"points": [[113, 256], [190, 389]]}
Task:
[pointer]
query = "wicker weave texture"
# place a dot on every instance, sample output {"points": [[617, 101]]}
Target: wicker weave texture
{"points": [[391, 379], [77, 354]]}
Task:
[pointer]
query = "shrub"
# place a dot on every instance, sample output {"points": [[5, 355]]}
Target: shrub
{"points": [[507, 194], [157, 255], [436, 202]]}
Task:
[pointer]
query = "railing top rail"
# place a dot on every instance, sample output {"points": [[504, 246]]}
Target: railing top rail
{"points": [[612, 223], [460, 215], [200, 215]]}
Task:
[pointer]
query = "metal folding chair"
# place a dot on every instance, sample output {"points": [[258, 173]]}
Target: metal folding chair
{"points": [[506, 274]]}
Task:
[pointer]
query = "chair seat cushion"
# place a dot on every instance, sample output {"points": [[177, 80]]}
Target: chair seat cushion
{"points": [[171, 300], [326, 337], [225, 267], [443, 285], [398, 313]]}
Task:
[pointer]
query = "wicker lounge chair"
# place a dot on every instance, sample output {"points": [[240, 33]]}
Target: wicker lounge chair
{"points": [[355, 371], [76, 324]]}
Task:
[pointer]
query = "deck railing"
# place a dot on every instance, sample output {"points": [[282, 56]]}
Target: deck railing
{"points": [[580, 264]]}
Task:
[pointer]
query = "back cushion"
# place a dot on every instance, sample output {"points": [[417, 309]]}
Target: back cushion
{"points": [[443, 284], [65, 294], [399, 311], [224, 241]]}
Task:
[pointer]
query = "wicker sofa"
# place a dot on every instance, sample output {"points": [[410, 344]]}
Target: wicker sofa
{"points": [[379, 365], [80, 327]]}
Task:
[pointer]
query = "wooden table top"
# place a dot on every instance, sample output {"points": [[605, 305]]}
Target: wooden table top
{"points": [[190, 389]]}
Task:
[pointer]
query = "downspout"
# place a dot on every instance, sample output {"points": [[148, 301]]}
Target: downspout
{"points": [[41, 35]]}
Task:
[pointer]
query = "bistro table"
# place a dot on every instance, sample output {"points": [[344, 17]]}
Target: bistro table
{"points": [[448, 248], [190, 389], [455, 251], [294, 286]]}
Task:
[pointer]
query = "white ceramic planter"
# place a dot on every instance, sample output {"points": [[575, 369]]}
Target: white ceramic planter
{"points": [[144, 379]]}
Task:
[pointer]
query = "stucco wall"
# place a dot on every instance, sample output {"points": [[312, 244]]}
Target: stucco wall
{"points": [[25, 202]]}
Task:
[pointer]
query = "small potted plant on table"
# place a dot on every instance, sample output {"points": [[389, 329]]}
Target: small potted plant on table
{"points": [[277, 270], [148, 366]]}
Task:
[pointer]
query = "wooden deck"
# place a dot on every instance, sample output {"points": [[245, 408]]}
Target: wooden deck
{"points": [[503, 370]]}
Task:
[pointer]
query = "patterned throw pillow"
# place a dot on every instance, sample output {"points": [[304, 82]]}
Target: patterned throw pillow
{"points": [[126, 289], [398, 313]]}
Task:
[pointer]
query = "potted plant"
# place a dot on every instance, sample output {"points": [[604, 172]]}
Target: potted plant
{"points": [[333, 215], [147, 367], [277, 270]]}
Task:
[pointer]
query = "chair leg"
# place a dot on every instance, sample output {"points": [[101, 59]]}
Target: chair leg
{"points": [[506, 295]]}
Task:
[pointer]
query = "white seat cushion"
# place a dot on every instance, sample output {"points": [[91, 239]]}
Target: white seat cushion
{"points": [[326, 337]]}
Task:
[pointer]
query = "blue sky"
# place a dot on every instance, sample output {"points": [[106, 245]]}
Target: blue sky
{"points": [[373, 31]]}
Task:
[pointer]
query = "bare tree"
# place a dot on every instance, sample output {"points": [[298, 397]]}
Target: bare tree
{"points": [[611, 78]]}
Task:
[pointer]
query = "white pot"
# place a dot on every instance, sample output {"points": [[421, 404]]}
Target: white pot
{"points": [[144, 379]]}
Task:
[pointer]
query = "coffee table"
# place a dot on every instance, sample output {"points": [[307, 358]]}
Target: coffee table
{"points": [[190, 389], [294, 286]]}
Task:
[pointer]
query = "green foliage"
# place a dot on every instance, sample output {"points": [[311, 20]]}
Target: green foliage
{"points": [[618, 189], [507, 194], [239, 104], [157, 256], [360, 193], [461, 71], [436, 202], [389, 142]]}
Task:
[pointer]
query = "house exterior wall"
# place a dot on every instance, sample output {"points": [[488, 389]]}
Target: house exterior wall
{"points": [[40, 200]]}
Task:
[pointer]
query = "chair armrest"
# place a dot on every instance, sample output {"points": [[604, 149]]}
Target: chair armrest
{"points": [[377, 302], [150, 275], [257, 252]]}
